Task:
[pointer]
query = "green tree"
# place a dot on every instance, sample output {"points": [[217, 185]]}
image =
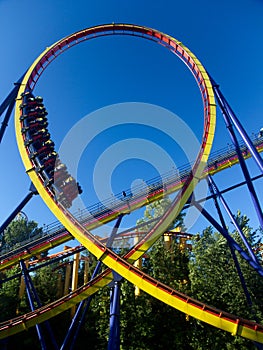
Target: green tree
{"points": [[9, 295], [214, 281], [145, 322], [154, 324], [19, 231], [45, 282], [157, 209]]}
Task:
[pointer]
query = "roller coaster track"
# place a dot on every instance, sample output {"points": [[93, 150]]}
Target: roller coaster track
{"points": [[55, 234], [123, 266], [68, 251]]}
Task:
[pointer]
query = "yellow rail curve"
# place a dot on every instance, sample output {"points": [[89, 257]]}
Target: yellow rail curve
{"points": [[121, 266]]}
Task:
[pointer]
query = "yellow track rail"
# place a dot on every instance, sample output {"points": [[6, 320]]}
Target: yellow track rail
{"points": [[122, 266], [65, 236]]}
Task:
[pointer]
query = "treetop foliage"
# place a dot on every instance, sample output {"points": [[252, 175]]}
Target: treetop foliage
{"points": [[206, 272]]}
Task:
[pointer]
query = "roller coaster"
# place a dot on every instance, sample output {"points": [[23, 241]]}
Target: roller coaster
{"points": [[55, 234], [58, 189]]}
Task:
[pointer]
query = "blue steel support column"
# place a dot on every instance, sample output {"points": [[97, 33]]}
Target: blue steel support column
{"points": [[257, 267], [77, 315], [18, 208], [212, 185], [225, 107], [241, 277], [232, 217], [233, 246], [39, 304], [11, 96], [114, 338], [6, 119], [226, 114], [114, 231], [31, 303], [35, 296], [9, 103]]}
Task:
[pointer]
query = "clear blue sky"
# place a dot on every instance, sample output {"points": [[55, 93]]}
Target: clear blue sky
{"points": [[226, 37]]}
